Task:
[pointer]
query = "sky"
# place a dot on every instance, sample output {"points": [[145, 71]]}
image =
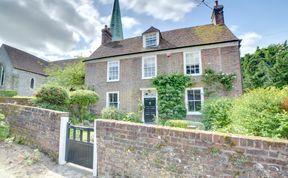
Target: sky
{"points": [[63, 29]]}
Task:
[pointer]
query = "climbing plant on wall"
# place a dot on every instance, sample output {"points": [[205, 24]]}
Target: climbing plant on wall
{"points": [[171, 91], [216, 81]]}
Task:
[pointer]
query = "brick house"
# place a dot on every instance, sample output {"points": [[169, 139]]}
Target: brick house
{"points": [[121, 70]]}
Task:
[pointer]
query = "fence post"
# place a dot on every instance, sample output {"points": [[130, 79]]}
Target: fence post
{"points": [[62, 140], [95, 162]]}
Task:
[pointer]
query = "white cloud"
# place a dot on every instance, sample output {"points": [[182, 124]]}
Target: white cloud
{"points": [[160, 9], [250, 41], [50, 29], [138, 32], [127, 22]]}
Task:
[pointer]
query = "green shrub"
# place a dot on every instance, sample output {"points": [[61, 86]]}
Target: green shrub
{"points": [[184, 124], [259, 113], [4, 128], [171, 92], [80, 102], [215, 113], [8, 93], [52, 97], [132, 117], [112, 113]]}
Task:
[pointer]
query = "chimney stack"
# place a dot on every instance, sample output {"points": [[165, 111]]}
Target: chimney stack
{"points": [[106, 35], [218, 14]]}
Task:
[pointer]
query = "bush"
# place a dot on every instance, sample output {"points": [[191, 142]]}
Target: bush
{"points": [[215, 113], [284, 104], [8, 93], [132, 117], [171, 91], [259, 113], [4, 128], [80, 102], [184, 124], [52, 97], [112, 113]]}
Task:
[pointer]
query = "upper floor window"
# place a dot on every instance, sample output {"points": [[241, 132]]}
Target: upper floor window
{"points": [[194, 100], [149, 67], [2, 73], [112, 99], [113, 71], [192, 63], [151, 40], [32, 83]]}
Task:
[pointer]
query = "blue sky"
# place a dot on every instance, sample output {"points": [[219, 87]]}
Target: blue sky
{"points": [[68, 28]]}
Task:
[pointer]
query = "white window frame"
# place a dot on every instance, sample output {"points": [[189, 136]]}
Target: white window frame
{"points": [[186, 100], [157, 39], [108, 71], [200, 62], [143, 59], [107, 98]]}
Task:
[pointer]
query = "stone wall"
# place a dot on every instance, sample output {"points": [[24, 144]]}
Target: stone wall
{"points": [[134, 150], [20, 101], [38, 127]]}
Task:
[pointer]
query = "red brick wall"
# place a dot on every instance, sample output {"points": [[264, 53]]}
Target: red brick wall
{"points": [[134, 150]]}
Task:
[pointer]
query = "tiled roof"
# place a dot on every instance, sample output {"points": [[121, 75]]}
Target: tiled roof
{"points": [[193, 36], [25, 61], [151, 30]]}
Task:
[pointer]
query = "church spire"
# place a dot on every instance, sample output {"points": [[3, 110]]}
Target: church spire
{"points": [[116, 23]]}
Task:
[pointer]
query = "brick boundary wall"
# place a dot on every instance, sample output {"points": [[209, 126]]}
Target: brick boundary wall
{"points": [[135, 150], [38, 127]]}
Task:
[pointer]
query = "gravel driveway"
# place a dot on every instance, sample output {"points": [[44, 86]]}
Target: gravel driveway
{"points": [[19, 161]]}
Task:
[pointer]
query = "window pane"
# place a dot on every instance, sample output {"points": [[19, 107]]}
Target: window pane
{"points": [[151, 40], [113, 100], [192, 63], [149, 67], [194, 100], [113, 70]]}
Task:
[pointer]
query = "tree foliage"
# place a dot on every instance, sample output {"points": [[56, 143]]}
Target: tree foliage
{"points": [[266, 67], [171, 90], [71, 77]]}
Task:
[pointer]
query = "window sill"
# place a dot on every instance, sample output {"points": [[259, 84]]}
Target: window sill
{"points": [[110, 81], [194, 113], [194, 75], [148, 78]]}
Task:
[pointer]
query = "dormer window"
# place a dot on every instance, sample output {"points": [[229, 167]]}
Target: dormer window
{"points": [[151, 38]]}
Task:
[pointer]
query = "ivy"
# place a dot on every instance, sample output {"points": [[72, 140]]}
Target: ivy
{"points": [[214, 81], [171, 91]]}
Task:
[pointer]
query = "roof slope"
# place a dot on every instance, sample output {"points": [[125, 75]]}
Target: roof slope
{"points": [[193, 36], [25, 61]]}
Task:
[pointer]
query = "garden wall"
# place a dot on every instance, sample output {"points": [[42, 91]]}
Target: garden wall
{"points": [[135, 150], [19, 101], [38, 127]]}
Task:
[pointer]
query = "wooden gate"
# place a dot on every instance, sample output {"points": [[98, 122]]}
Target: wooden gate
{"points": [[79, 145]]}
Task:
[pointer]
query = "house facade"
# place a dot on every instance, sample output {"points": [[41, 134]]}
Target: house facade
{"points": [[121, 71], [24, 72]]}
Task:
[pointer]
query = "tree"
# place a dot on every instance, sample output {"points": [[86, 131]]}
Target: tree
{"points": [[266, 67], [71, 77]]}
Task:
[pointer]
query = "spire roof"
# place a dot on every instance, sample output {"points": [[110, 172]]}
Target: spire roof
{"points": [[116, 23]]}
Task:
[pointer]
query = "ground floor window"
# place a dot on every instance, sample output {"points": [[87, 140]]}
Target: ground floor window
{"points": [[112, 99], [194, 100]]}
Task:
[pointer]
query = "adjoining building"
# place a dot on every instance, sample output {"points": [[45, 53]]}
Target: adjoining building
{"points": [[24, 72]]}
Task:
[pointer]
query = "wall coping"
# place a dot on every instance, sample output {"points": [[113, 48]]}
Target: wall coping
{"points": [[64, 114], [256, 138]]}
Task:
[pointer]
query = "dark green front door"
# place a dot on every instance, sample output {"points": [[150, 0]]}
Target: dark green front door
{"points": [[149, 109]]}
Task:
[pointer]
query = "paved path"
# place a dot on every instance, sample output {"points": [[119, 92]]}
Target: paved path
{"points": [[19, 161]]}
